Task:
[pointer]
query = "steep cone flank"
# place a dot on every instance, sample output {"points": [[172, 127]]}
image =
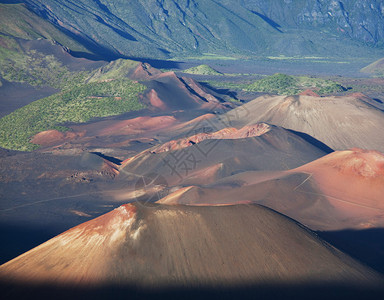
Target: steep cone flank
{"points": [[353, 181], [231, 150], [179, 93], [358, 163], [156, 101], [339, 122], [162, 246], [342, 190], [80, 254]]}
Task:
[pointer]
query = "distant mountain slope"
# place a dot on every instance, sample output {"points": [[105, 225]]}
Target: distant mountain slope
{"points": [[34, 51], [18, 22], [166, 28], [154, 28], [362, 20], [376, 68]]}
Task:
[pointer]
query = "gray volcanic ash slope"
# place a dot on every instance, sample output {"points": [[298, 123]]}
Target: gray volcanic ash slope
{"points": [[340, 122]]}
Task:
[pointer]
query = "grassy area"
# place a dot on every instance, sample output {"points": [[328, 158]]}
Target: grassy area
{"points": [[37, 69], [119, 68], [202, 70], [282, 84], [77, 105]]}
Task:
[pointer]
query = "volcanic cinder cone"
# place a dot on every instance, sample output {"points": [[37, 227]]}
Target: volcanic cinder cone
{"points": [[341, 190], [163, 246], [340, 122]]}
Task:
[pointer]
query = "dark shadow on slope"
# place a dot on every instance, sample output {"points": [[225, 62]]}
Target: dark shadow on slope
{"points": [[122, 33], [313, 291], [109, 158], [159, 63], [102, 6], [98, 51], [268, 20], [378, 100], [366, 245], [14, 95], [7, 152], [191, 90], [16, 239], [312, 141], [227, 92]]}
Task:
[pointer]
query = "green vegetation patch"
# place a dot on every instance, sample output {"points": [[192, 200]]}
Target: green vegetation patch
{"points": [[202, 70], [119, 68], [37, 69], [76, 105], [283, 84]]}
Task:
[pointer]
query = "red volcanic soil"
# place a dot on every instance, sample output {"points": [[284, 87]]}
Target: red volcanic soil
{"points": [[226, 133], [156, 101], [95, 239], [110, 168], [54, 137], [162, 246], [309, 92], [342, 190], [48, 137], [179, 93], [353, 182], [138, 125], [144, 71]]}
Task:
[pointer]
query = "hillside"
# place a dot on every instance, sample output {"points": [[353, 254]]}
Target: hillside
{"points": [[342, 190], [202, 70], [18, 22], [166, 249], [375, 68], [345, 17], [341, 122], [283, 84], [35, 52], [161, 29], [76, 105]]}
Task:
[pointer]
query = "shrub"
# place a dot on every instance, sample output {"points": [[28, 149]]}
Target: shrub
{"points": [[76, 105]]}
